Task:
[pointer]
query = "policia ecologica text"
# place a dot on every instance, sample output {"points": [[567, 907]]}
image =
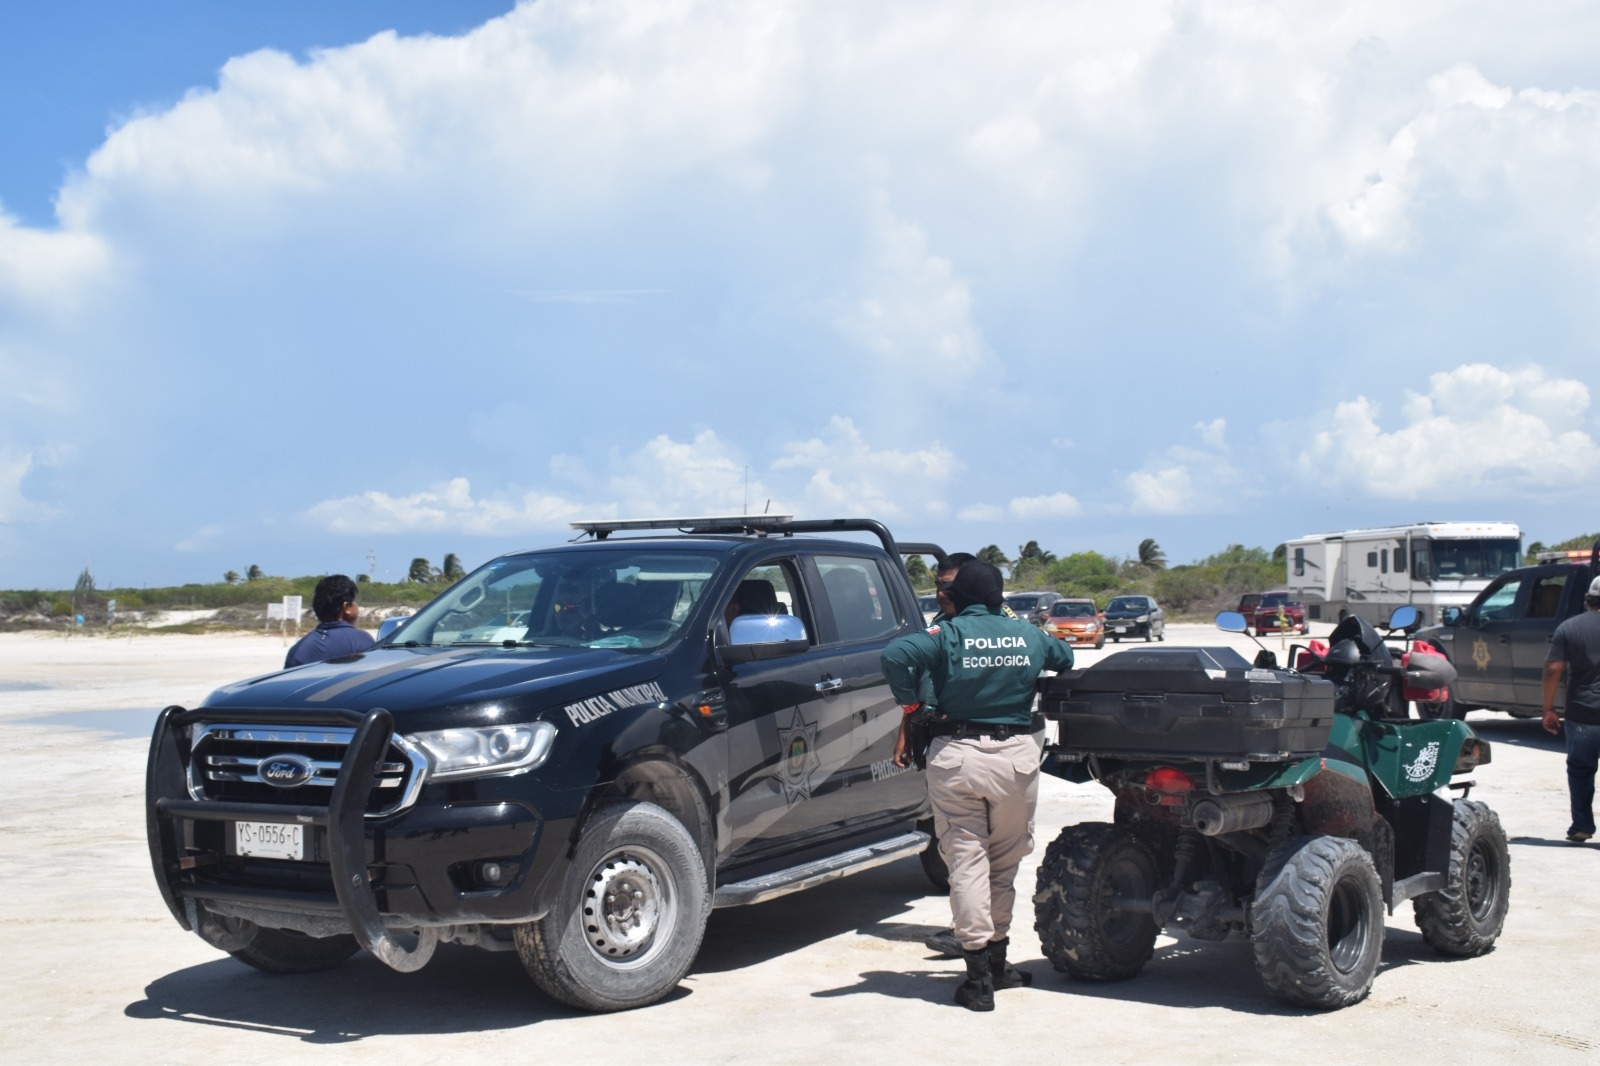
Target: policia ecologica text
{"points": [[983, 763]]}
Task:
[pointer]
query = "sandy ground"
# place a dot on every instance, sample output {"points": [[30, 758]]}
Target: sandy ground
{"points": [[98, 971]]}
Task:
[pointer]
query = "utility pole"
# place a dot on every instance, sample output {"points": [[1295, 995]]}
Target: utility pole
{"points": [[372, 564]]}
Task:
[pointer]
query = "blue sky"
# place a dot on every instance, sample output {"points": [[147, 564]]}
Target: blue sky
{"points": [[281, 286]]}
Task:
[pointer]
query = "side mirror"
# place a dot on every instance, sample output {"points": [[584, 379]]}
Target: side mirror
{"points": [[389, 625], [1232, 622], [764, 636], [1404, 617], [1451, 616]]}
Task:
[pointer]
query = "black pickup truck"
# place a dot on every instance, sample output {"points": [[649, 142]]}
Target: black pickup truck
{"points": [[1498, 642], [574, 753]]}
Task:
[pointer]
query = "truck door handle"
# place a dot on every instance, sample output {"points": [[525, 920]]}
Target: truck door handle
{"points": [[830, 684]]}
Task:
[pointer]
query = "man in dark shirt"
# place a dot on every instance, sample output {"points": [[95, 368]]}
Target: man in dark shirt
{"points": [[334, 604], [1575, 652]]}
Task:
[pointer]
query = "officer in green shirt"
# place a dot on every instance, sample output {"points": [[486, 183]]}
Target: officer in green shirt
{"points": [[983, 764]]}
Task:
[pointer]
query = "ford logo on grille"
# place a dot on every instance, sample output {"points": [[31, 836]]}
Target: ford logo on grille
{"points": [[286, 771]]}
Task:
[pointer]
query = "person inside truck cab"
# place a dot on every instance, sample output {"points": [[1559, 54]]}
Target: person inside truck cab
{"points": [[753, 596]]}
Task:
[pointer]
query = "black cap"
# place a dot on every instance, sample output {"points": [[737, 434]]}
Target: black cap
{"points": [[977, 582]]}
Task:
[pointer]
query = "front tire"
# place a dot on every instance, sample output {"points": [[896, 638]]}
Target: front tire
{"points": [[1465, 917], [629, 916], [289, 951], [1316, 926], [1092, 904]]}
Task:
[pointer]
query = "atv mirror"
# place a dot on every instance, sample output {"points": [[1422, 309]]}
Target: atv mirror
{"points": [[1405, 617], [1232, 622]]}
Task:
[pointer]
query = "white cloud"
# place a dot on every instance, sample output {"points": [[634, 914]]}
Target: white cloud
{"points": [[49, 270], [14, 506], [847, 477], [204, 539], [836, 474], [981, 512], [913, 311], [1479, 433], [1185, 480], [446, 507], [1054, 505]]}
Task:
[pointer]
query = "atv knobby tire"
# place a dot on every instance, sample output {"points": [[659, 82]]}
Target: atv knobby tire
{"points": [[1316, 925], [629, 915], [1092, 909], [288, 951], [1465, 917]]}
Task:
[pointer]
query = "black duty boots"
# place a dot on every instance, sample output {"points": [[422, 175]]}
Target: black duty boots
{"points": [[1002, 973], [977, 991]]}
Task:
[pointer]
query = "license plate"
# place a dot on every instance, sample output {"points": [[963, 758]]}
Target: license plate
{"points": [[1122, 629], [270, 840]]}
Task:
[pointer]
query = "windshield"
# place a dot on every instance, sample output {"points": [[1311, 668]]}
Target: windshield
{"points": [[1072, 610], [927, 603], [574, 598], [1276, 599], [1126, 603], [1022, 603], [1468, 558]]}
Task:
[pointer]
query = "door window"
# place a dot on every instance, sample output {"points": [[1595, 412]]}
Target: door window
{"points": [[767, 589], [1545, 600], [858, 597], [1501, 602]]}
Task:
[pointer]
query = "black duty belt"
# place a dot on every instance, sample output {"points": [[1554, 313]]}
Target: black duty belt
{"points": [[958, 728]]}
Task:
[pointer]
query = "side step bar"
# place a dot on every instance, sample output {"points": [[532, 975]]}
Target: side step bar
{"points": [[795, 878]]}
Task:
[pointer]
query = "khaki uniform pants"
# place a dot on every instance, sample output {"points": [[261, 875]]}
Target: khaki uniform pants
{"points": [[983, 793]]}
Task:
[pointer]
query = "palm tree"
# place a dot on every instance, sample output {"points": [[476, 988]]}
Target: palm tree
{"points": [[994, 557], [231, 577], [453, 571], [1031, 554], [1151, 557], [254, 573], [421, 572]]}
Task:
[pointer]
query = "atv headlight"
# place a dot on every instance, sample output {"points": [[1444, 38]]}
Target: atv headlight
{"points": [[499, 749]]}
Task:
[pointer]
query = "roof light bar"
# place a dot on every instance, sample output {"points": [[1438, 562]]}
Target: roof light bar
{"points": [[698, 523]]}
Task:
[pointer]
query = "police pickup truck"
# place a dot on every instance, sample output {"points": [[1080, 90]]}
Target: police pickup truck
{"points": [[1498, 642], [573, 753]]}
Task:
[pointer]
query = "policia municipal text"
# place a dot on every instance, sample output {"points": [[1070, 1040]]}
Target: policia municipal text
{"points": [[977, 670]]}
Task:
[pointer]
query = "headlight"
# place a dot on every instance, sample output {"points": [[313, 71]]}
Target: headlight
{"points": [[1142, 618], [497, 749]]}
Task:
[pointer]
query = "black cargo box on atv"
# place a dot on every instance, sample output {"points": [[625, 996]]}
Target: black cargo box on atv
{"points": [[1195, 702]]}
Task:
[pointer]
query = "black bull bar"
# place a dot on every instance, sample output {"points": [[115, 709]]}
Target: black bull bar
{"points": [[166, 804]]}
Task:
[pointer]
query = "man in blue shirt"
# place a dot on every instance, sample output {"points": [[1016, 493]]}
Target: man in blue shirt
{"points": [[334, 604]]}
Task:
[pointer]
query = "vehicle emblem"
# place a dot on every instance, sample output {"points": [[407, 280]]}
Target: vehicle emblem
{"points": [[1425, 763], [1480, 653], [798, 758], [286, 770]]}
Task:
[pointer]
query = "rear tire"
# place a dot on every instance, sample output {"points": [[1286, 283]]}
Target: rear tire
{"points": [[1092, 904], [1316, 926], [1464, 918], [288, 951], [629, 917]]}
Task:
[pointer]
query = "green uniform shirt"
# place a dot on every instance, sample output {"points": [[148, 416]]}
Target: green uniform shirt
{"points": [[982, 665]]}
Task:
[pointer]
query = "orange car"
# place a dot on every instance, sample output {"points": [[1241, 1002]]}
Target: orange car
{"points": [[1077, 622]]}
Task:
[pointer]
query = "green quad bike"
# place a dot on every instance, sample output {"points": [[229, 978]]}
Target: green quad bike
{"points": [[1288, 805]]}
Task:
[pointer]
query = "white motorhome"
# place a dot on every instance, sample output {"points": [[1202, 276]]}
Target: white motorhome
{"points": [[1370, 572]]}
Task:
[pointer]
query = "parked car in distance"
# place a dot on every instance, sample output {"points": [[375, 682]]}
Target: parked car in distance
{"points": [[1032, 606], [1135, 616], [929, 606], [1076, 622], [1270, 612]]}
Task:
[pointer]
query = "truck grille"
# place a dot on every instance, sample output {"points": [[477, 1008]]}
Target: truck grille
{"points": [[227, 760]]}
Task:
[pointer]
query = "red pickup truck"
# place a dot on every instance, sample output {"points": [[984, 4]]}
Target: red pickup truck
{"points": [[1268, 612]]}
